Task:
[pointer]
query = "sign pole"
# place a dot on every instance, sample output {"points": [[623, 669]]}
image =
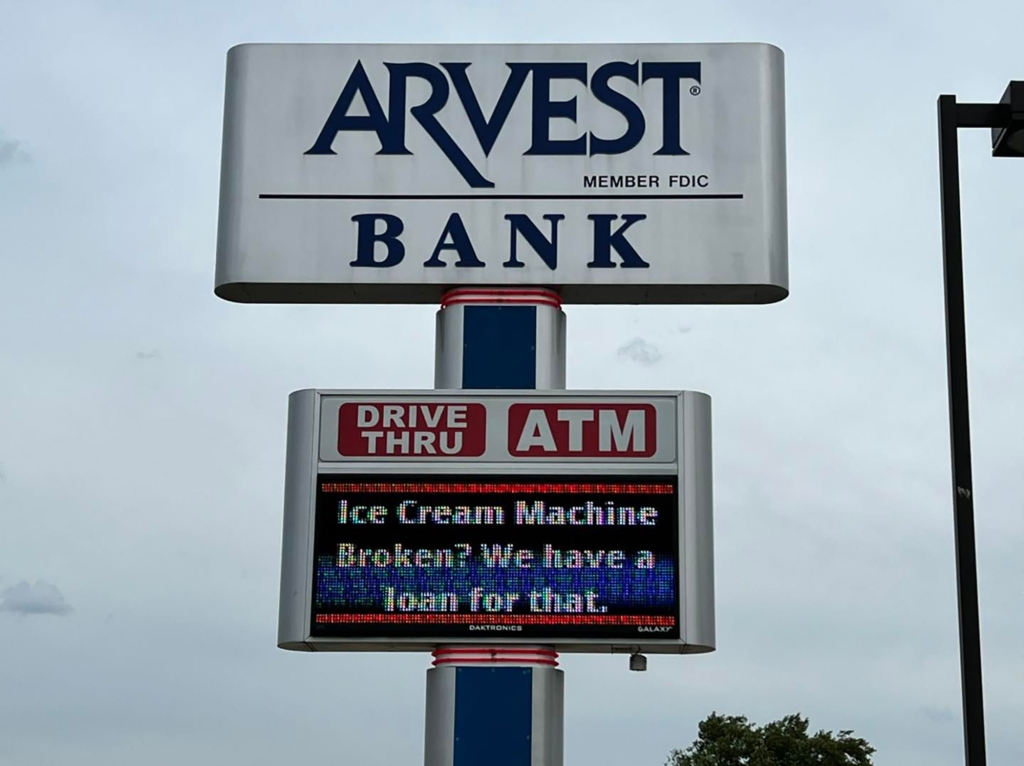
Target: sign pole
{"points": [[502, 706]]}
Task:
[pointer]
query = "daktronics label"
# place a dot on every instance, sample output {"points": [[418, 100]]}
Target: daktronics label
{"points": [[398, 429], [582, 430]]}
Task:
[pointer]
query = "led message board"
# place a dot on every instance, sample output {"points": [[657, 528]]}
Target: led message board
{"points": [[429, 556], [575, 519]]}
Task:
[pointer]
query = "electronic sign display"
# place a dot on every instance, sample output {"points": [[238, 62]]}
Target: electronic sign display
{"points": [[539, 557], [575, 519]]}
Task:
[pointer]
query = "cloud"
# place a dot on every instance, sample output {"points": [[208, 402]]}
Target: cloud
{"points": [[41, 598], [640, 351], [939, 714], [12, 152], [147, 356]]}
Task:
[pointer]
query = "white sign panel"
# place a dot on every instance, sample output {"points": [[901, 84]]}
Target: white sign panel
{"points": [[613, 173]]}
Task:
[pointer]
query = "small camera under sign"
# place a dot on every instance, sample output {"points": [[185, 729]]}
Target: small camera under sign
{"points": [[637, 662]]}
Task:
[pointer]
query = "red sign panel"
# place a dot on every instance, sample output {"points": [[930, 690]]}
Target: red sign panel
{"points": [[582, 430], [404, 429]]}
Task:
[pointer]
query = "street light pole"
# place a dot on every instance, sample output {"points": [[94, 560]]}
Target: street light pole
{"points": [[960, 437], [1006, 119]]}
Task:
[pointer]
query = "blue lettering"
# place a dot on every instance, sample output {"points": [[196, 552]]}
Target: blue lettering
{"points": [[670, 74], [546, 248], [359, 85], [390, 128], [460, 243], [367, 239], [487, 131], [426, 115], [605, 240], [545, 110], [636, 126]]}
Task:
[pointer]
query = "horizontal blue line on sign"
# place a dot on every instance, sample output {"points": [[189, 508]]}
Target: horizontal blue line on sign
{"points": [[501, 196]]}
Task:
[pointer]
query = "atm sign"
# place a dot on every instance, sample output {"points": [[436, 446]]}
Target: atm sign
{"points": [[582, 430]]}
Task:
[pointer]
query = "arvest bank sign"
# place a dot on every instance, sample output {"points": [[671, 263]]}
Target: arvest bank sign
{"points": [[613, 173]]}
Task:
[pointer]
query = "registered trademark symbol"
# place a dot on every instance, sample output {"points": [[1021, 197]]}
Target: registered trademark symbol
{"points": [[695, 90]]}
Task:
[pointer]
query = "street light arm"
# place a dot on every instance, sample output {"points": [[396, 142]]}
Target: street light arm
{"points": [[983, 115]]}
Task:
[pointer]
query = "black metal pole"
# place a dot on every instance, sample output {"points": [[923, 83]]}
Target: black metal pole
{"points": [[960, 437]]}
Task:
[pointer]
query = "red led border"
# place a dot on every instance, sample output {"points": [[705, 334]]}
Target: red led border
{"points": [[497, 619], [498, 488]]}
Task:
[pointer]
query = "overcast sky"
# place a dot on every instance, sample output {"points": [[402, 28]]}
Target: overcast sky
{"points": [[142, 420]]}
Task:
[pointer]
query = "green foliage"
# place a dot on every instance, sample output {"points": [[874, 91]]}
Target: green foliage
{"points": [[734, 741]]}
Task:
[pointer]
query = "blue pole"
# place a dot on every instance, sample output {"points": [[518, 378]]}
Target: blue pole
{"points": [[493, 705]]}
